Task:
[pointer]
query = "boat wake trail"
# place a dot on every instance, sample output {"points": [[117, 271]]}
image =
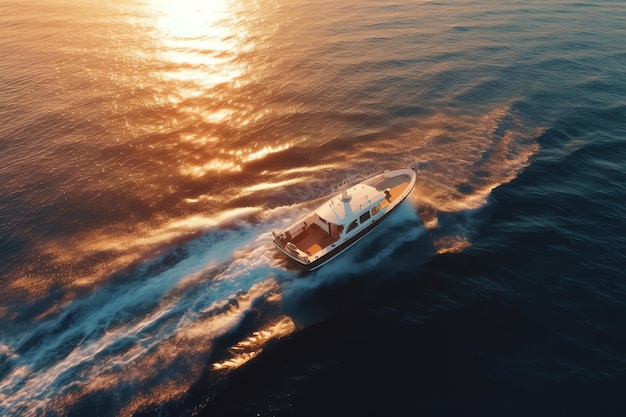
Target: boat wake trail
{"points": [[139, 340], [145, 337], [464, 159]]}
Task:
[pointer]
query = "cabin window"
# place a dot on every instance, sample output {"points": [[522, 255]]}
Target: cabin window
{"points": [[364, 217], [352, 226], [375, 210]]}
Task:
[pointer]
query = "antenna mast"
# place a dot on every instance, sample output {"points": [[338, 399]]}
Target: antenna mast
{"points": [[345, 197]]}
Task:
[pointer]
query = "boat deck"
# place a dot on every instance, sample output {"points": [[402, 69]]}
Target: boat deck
{"points": [[313, 239], [398, 190], [396, 185]]}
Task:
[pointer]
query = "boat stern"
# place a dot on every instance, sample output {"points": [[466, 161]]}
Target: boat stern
{"points": [[286, 247]]}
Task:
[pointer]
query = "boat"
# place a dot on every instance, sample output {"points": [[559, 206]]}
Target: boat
{"points": [[324, 233]]}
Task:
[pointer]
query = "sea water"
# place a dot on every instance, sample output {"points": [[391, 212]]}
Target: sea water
{"points": [[149, 147]]}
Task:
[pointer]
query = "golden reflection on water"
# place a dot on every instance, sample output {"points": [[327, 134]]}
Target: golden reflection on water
{"points": [[201, 68], [232, 160], [199, 38], [176, 73], [249, 348]]}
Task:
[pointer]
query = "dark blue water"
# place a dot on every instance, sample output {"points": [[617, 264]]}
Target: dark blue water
{"points": [[149, 147]]}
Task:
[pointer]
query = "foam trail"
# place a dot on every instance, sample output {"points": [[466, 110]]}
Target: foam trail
{"points": [[118, 332], [143, 339]]}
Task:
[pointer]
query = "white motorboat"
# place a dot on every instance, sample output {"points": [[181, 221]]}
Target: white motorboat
{"points": [[318, 237]]}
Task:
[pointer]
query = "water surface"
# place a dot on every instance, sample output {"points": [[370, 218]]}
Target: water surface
{"points": [[149, 147]]}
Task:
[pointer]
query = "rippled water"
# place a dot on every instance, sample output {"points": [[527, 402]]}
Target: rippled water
{"points": [[149, 147]]}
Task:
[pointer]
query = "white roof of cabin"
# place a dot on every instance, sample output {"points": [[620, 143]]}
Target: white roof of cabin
{"points": [[343, 212]]}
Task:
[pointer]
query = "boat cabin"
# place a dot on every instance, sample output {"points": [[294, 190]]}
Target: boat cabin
{"points": [[337, 220], [352, 209]]}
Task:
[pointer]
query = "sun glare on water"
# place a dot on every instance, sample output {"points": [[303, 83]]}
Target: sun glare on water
{"points": [[199, 39], [203, 50]]}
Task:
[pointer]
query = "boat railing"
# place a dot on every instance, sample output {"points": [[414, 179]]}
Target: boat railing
{"points": [[290, 248], [287, 236]]}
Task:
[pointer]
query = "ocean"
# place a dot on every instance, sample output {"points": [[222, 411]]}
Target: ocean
{"points": [[148, 148]]}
